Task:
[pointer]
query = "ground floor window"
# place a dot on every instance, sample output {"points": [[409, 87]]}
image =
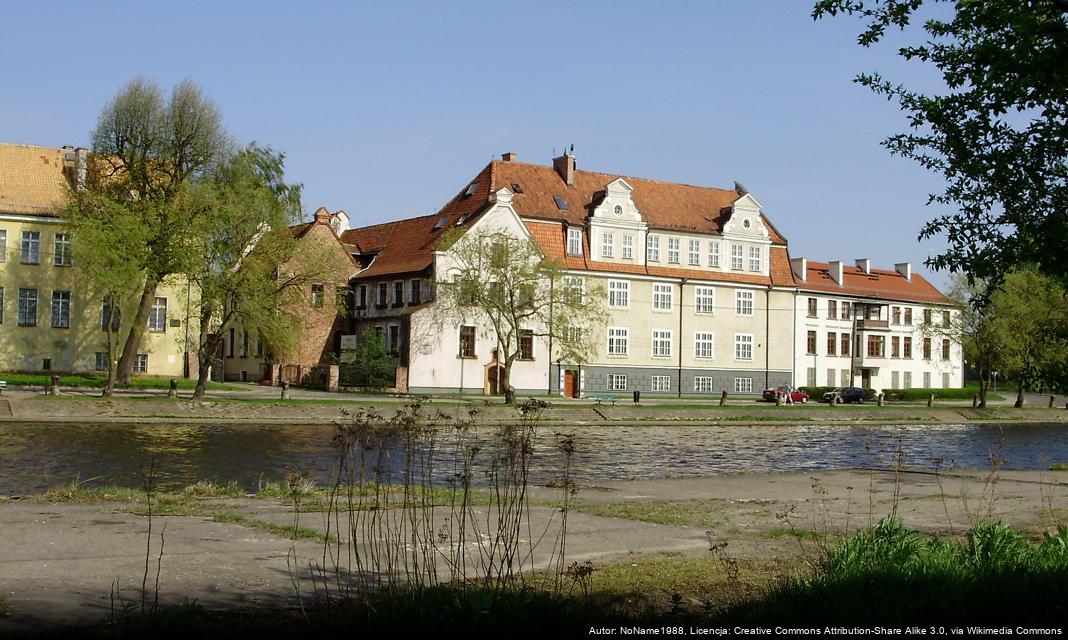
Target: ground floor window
{"points": [[945, 380], [830, 377], [617, 382], [661, 383], [906, 380], [526, 344], [101, 361], [702, 384], [893, 379], [61, 309], [467, 342], [810, 377], [846, 378], [141, 364], [744, 385], [926, 379]]}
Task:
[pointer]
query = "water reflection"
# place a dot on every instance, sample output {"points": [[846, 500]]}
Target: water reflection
{"points": [[35, 457]]}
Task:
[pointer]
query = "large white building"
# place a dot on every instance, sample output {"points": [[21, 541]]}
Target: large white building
{"points": [[872, 328]]}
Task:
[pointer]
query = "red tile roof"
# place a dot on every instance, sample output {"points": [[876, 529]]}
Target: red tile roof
{"points": [[406, 246], [880, 284]]}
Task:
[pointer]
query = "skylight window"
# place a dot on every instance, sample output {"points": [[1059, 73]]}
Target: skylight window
{"points": [[561, 204], [440, 223], [462, 220], [516, 188], [471, 189]]}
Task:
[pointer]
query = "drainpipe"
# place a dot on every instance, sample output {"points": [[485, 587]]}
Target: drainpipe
{"points": [[549, 382], [793, 342], [682, 298], [767, 336], [185, 355]]}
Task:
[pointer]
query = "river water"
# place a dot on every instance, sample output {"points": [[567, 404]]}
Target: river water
{"points": [[36, 457]]}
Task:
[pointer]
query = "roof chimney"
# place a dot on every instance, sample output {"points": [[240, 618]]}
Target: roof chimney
{"points": [[322, 215], [864, 264], [509, 156], [800, 268], [565, 166], [835, 270], [905, 269]]}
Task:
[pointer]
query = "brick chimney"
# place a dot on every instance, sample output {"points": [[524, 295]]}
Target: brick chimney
{"points": [[510, 156], [322, 216], [864, 264], [835, 270], [565, 166], [905, 269]]}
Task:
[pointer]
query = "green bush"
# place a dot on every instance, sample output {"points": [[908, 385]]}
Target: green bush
{"points": [[916, 395], [816, 393]]}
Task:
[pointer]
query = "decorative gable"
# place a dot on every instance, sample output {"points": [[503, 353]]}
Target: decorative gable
{"points": [[617, 206], [745, 221]]}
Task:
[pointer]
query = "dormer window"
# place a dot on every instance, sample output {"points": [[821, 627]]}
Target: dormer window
{"points": [[471, 189], [574, 241], [561, 204]]}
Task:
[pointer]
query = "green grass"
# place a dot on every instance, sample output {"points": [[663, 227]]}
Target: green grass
{"points": [[682, 513], [97, 382], [4, 608], [286, 531], [1059, 466]]}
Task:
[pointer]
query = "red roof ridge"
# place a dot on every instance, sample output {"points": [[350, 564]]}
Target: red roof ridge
{"points": [[615, 176]]}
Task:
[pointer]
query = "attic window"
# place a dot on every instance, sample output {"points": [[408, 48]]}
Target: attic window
{"points": [[440, 223], [516, 188], [561, 204], [471, 189], [462, 220]]}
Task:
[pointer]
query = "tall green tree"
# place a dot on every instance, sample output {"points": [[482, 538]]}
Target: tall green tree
{"points": [[147, 150], [998, 134], [976, 325], [512, 293], [239, 246]]}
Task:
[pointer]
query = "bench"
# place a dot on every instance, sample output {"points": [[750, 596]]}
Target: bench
{"points": [[3, 385], [601, 398]]}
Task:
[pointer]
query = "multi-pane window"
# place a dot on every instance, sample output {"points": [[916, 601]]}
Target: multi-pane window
{"points": [[661, 343], [945, 318], [61, 252], [908, 316], [906, 348], [108, 314], [661, 383], [628, 246], [704, 299], [755, 259], [926, 379], [3, 245], [526, 344], [704, 344], [713, 253], [832, 309], [157, 315], [662, 297], [317, 295], [906, 379], [27, 316], [244, 343], [927, 316], [743, 385], [574, 289], [653, 253], [617, 382], [618, 294], [811, 343], [876, 346], [812, 307], [61, 309], [832, 342], [31, 247], [467, 342], [1, 305], [847, 310], [945, 380], [574, 241], [736, 257], [945, 349], [618, 341], [844, 343], [895, 315], [383, 294], [743, 346], [694, 253], [830, 377], [607, 244], [141, 363], [361, 296], [231, 344], [673, 250], [398, 293], [743, 303], [844, 378], [926, 348], [895, 347], [101, 363], [702, 384]]}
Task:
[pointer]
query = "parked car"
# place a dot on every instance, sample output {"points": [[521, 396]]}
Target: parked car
{"points": [[795, 395], [843, 395]]}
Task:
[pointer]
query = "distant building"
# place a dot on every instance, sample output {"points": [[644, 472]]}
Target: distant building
{"points": [[873, 328]]}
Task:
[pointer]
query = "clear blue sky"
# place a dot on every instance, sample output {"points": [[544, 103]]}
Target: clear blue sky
{"points": [[387, 109]]}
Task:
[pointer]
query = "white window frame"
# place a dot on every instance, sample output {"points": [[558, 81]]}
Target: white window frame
{"points": [[618, 341], [141, 363], [627, 252], [713, 253], [661, 383], [756, 258], [694, 253], [60, 316], [743, 346], [704, 300], [30, 248], [653, 252], [157, 316], [618, 294], [743, 385], [663, 297], [661, 343], [100, 361], [737, 254], [3, 245], [27, 302], [616, 382], [702, 384], [574, 241], [61, 250], [704, 345], [608, 243], [743, 302], [673, 250]]}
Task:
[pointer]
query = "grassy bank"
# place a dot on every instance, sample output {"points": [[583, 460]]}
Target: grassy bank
{"points": [[97, 382]]}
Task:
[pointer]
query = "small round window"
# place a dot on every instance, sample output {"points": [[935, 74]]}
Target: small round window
{"points": [[746, 223], [618, 209]]}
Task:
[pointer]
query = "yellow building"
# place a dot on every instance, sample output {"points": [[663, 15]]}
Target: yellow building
{"points": [[49, 321]]}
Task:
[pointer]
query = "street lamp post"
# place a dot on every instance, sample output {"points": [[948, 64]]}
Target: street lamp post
{"points": [[995, 381]]}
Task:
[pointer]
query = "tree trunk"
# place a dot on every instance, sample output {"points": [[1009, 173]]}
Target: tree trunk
{"points": [[203, 369], [506, 382], [137, 330], [984, 387], [1019, 395]]}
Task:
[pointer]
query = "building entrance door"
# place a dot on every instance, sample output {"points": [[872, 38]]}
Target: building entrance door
{"points": [[570, 384], [494, 373], [865, 378]]}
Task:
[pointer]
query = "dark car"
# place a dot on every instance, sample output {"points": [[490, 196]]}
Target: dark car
{"points": [[795, 395], [843, 395]]}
